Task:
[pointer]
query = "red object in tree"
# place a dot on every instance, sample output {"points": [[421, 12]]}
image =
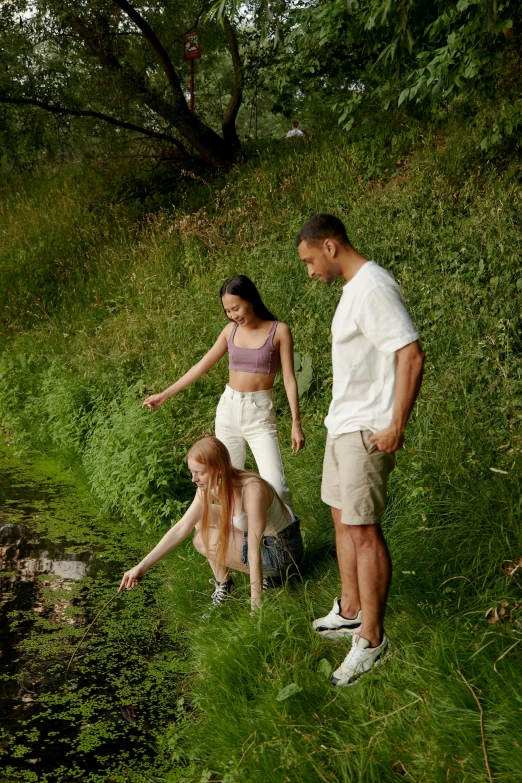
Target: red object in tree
{"points": [[191, 52], [191, 46]]}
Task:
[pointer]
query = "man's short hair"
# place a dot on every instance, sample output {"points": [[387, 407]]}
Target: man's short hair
{"points": [[295, 124], [320, 227]]}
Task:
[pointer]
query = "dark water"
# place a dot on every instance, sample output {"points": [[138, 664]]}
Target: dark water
{"points": [[60, 560], [26, 558]]}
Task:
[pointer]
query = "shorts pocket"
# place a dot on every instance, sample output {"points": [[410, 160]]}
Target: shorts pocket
{"points": [[284, 550], [370, 448]]}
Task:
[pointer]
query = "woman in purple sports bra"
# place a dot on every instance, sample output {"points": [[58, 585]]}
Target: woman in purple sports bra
{"points": [[257, 344]]}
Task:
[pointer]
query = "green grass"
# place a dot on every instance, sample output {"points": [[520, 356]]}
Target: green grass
{"points": [[137, 301]]}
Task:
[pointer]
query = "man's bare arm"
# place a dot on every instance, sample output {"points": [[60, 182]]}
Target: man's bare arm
{"points": [[408, 380]]}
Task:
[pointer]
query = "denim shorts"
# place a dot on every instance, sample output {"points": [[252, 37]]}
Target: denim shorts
{"points": [[279, 553]]}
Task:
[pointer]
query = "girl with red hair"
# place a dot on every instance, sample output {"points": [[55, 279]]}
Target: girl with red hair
{"points": [[240, 523]]}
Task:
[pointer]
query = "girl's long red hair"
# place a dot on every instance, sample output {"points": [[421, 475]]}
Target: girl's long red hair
{"points": [[214, 455]]}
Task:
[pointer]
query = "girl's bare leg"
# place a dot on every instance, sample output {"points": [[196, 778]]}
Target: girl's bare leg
{"points": [[234, 552]]}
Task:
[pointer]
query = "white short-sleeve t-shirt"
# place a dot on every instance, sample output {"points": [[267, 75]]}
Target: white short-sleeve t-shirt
{"points": [[371, 323]]}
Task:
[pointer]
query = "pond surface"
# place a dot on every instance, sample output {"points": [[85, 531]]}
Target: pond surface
{"points": [[60, 562], [27, 557]]}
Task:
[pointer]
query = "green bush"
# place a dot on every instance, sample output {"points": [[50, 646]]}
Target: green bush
{"points": [[131, 462]]}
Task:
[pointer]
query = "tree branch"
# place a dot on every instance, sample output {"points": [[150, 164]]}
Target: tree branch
{"points": [[236, 99], [96, 115], [154, 43], [211, 146], [202, 10]]}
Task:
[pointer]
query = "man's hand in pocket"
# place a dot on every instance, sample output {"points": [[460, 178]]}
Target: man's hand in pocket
{"points": [[389, 440]]}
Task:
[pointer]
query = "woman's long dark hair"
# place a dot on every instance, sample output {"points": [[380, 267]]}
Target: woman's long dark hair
{"points": [[241, 285]]}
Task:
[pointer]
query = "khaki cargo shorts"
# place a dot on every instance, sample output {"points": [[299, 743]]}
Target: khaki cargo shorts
{"points": [[355, 478]]}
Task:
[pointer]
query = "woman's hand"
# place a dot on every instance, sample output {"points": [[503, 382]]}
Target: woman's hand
{"points": [[213, 356], [298, 437], [131, 578], [154, 401]]}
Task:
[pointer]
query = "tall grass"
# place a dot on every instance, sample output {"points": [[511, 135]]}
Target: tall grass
{"points": [[136, 303]]}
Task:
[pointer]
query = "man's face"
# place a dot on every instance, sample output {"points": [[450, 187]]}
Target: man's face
{"points": [[320, 259]]}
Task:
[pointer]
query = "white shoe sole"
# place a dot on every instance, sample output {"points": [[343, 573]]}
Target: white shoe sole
{"points": [[338, 633]]}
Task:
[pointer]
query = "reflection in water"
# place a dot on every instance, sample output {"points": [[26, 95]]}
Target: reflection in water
{"points": [[23, 557], [58, 565], [37, 576]]}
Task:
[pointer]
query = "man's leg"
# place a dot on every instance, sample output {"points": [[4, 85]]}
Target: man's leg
{"points": [[344, 619], [365, 473], [374, 570], [347, 559], [364, 476]]}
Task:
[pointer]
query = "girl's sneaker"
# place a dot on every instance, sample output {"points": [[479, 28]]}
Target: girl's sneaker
{"points": [[335, 626], [359, 660], [271, 581], [222, 592]]}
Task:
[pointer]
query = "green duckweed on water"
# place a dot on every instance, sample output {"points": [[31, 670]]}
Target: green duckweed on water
{"points": [[62, 560]]}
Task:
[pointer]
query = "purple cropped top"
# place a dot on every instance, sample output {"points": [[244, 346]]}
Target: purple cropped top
{"points": [[264, 359]]}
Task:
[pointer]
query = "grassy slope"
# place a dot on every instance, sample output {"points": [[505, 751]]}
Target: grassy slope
{"points": [[114, 311]]}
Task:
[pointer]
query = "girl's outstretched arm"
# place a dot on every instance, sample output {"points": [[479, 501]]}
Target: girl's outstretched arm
{"points": [[286, 353], [211, 358], [170, 540]]}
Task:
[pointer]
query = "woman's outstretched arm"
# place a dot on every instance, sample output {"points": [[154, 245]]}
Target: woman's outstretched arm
{"points": [[170, 541], [211, 358], [286, 353]]}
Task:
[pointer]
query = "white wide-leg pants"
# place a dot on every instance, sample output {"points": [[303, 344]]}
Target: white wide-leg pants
{"points": [[248, 418]]}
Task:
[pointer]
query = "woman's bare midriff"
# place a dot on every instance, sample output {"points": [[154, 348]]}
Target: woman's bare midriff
{"points": [[250, 381]]}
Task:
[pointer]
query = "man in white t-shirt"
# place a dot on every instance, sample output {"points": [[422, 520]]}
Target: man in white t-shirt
{"points": [[377, 373], [295, 131]]}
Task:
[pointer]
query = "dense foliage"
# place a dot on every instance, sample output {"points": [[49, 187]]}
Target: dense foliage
{"points": [[117, 64], [369, 58], [91, 77]]}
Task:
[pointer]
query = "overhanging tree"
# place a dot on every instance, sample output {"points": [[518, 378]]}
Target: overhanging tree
{"points": [[118, 63], [367, 56]]}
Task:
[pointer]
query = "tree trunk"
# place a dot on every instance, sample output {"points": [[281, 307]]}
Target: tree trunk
{"points": [[229, 120]]}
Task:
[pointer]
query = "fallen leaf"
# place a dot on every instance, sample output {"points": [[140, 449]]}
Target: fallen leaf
{"points": [[325, 667], [513, 566], [289, 690]]}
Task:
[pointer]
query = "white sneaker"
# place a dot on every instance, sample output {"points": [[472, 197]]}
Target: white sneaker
{"points": [[334, 625], [359, 660]]}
